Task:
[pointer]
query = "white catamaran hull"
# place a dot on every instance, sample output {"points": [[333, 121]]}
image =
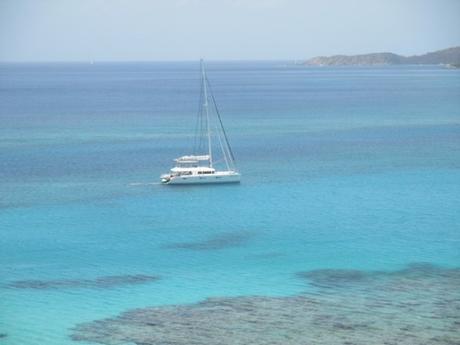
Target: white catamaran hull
{"points": [[200, 179], [200, 169]]}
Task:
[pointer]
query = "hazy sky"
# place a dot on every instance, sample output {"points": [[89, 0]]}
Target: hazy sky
{"points": [[50, 30]]}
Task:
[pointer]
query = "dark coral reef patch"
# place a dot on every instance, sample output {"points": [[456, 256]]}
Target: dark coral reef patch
{"points": [[335, 278], [417, 305], [220, 241], [105, 282]]}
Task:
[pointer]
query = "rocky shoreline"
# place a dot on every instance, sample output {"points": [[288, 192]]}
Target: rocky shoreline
{"points": [[449, 57]]}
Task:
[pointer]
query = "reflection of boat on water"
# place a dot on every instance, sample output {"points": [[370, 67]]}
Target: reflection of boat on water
{"points": [[200, 168]]}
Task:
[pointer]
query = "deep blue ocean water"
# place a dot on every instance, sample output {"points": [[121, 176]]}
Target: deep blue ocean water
{"points": [[354, 168]]}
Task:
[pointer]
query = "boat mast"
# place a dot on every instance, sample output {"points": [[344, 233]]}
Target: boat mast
{"points": [[226, 149], [205, 104]]}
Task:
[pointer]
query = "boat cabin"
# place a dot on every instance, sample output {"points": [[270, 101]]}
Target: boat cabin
{"points": [[192, 165]]}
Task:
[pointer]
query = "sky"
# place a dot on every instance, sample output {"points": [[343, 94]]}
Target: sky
{"points": [[152, 30]]}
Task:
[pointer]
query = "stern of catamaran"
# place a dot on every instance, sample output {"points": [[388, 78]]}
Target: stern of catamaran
{"points": [[186, 165], [165, 178]]}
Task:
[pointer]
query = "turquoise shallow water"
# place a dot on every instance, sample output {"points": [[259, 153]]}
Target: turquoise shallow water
{"points": [[343, 168]]}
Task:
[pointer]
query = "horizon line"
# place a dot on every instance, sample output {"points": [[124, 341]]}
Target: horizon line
{"points": [[147, 61], [215, 60]]}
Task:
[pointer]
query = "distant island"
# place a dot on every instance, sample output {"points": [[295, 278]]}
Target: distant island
{"points": [[449, 57]]}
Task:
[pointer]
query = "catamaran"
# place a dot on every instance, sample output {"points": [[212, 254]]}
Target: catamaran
{"points": [[202, 166]]}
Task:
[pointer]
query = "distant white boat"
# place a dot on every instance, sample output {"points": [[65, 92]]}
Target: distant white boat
{"points": [[199, 168]]}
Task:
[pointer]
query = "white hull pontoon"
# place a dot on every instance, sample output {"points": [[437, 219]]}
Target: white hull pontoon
{"points": [[217, 177], [200, 168]]}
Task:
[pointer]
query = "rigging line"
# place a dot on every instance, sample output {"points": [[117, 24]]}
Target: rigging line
{"points": [[198, 121], [201, 134], [220, 121], [206, 107], [202, 125], [222, 146]]}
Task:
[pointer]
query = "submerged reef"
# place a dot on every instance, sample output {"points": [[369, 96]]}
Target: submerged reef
{"points": [[105, 282], [221, 241], [334, 277], [337, 278], [416, 305], [266, 255]]}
